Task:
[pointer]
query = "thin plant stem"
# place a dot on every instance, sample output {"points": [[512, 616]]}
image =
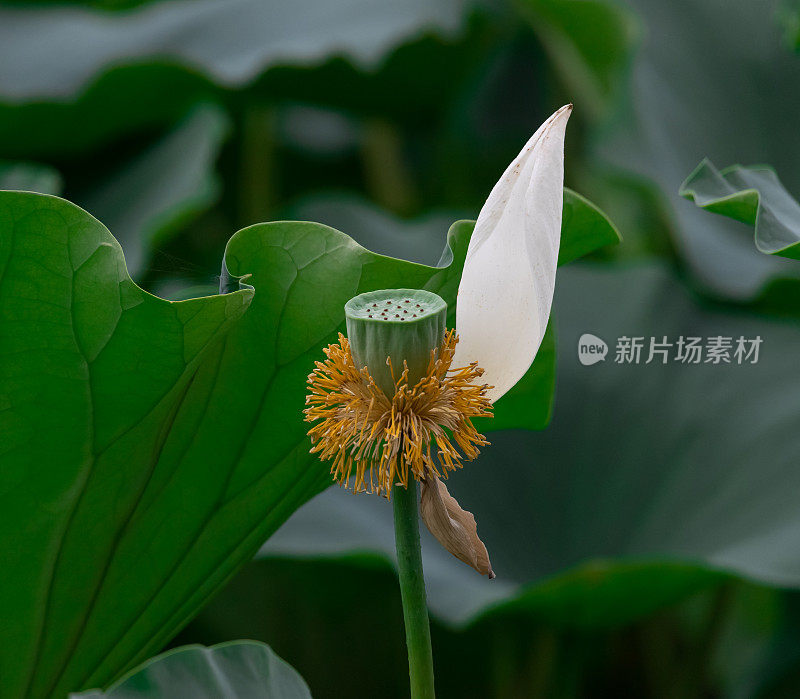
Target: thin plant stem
{"points": [[258, 171], [412, 590], [388, 178]]}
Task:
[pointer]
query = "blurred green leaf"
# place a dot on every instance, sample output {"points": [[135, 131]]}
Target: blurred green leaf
{"points": [[748, 629], [231, 41], [162, 93], [29, 177], [163, 90], [99, 4], [777, 675], [163, 188], [235, 670], [585, 228], [699, 477], [305, 608], [637, 207], [789, 18], [752, 195], [701, 86], [590, 42], [594, 594]]}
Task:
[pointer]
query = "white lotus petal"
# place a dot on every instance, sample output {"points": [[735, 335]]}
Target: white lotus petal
{"points": [[506, 290]]}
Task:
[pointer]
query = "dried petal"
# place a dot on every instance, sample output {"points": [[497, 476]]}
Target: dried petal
{"points": [[453, 527]]}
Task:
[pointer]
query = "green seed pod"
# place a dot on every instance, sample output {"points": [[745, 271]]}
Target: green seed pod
{"points": [[401, 324]]}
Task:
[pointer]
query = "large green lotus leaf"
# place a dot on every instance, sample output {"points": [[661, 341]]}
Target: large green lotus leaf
{"points": [[152, 457], [752, 195], [668, 472], [231, 41], [590, 43], [30, 177], [235, 670], [705, 87], [147, 455], [161, 189]]}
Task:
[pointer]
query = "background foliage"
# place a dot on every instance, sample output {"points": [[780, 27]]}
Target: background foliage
{"points": [[648, 542]]}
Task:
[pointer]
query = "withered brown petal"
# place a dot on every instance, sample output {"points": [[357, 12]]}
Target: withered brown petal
{"points": [[455, 528]]}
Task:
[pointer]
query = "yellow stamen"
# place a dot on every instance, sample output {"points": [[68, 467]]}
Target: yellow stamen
{"points": [[391, 437]]}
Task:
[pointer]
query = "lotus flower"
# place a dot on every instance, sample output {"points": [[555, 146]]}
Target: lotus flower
{"points": [[400, 385]]}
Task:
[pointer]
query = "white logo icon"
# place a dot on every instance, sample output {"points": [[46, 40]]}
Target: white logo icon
{"points": [[591, 349]]}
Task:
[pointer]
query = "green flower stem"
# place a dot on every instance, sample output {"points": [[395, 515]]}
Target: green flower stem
{"points": [[412, 590]]}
